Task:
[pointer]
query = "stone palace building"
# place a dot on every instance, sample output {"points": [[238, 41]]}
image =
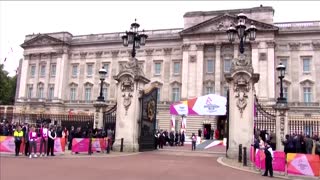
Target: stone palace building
{"points": [[59, 71]]}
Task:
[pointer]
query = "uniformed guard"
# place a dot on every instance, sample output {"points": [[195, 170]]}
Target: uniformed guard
{"points": [[269, 157]]}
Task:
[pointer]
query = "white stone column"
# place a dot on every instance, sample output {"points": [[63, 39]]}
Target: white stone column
{"points": [[58, 77], [281, 125], [271, 69], [255, 61], [23, 77], [62, 73], [199, 72], [217, 73], [185, 71], [98, 116]]}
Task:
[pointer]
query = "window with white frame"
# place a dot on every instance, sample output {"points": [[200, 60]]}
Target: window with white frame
{"points": [[105, 92], [40, 91], [175, 94], [42, 70], [32, 71], [284, 61], [87, 94], [306, 62], [157, 68], [225, 91], [209, 90], [176, 68], [210, 66], [106, 67], [29, 93], [74, 70], [73, 93], [89, 69], [51, 92], [307, 94], [285, 92], [227, 65], [158, 95], [53, 69]]}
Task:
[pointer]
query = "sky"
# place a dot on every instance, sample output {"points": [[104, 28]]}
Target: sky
{"points": [[18, 19]]}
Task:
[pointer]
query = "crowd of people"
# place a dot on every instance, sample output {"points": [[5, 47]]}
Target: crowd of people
{"points": [[30, 134], [164, 138], [294, 143]]}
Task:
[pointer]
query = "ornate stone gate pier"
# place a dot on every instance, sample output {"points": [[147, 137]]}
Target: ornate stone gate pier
{"points": [[241, 81]]}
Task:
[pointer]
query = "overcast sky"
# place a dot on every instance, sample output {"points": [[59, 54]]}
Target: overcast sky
{"points": [[18, 19]]}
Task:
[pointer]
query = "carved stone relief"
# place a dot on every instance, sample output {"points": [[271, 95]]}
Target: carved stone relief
{"points": [[99, 54], [127, 100], [192, 58], [149, 52], [241, 88], [241, 63], [167, 51], [316, 45], [83, 54], [185, 47], [200, 46], [294, 46], [127, 85], [115, 53]]}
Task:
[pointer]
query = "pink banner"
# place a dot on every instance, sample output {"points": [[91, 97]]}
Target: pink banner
{"points": [[278, 162], [7, 145], [303, 164], [80, 145], [98, 144]]}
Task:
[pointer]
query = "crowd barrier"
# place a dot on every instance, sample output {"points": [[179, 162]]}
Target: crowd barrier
{"points": [[297, 164], [7, 145], [82, 144]]}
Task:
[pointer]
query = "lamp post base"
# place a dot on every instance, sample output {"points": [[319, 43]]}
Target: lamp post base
{"points": [[100, 99]]}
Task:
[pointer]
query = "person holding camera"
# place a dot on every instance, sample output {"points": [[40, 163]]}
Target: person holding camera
{"points": [[18, 135]]}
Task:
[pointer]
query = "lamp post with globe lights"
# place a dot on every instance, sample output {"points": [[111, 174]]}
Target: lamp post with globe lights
{"points": [[102, 74], [281, 69], [242, 31], [135, 38]]}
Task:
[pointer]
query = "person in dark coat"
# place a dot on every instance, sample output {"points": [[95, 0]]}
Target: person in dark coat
{"points": [[182, 138], [176, 139], [25, 130], [162, 140], [52, 136], [171, 138], [70, 137], [269, 157]]}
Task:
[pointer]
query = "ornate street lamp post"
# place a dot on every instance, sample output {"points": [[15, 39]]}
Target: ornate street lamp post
{"points": [[135, 38], [242, 31], [281, 69], [102, 73]]}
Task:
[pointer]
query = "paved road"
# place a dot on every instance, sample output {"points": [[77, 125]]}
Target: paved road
{"points": [[143, 166]]}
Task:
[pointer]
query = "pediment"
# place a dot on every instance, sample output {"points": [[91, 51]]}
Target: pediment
{"points": [[42, 40], [222, 23]]}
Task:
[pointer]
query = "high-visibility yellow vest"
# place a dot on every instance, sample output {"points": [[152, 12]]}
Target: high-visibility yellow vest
{"points": [[18, 134]]}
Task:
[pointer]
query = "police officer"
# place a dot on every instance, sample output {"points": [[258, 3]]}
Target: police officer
{"points": [[269, 157]]}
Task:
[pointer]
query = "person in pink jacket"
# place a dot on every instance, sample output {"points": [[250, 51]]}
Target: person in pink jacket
{"points": [[33, 142], [44, 139]]}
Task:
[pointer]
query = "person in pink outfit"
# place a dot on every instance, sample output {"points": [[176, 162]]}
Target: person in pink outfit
{"points": [[44, 139], [33, 142]]}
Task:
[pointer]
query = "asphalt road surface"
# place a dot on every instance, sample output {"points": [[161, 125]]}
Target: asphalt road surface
{"points": [[143, 166]]}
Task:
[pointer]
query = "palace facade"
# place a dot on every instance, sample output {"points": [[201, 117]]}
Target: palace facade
{"points": [[59, 71]]}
